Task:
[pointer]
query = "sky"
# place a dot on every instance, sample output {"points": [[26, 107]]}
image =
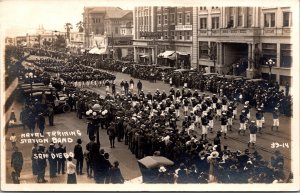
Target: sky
{"points": [[21, 17], [18, 17]]}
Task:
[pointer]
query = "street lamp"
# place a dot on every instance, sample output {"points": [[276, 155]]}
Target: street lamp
{"points": [[30, 76], [270, 63]]}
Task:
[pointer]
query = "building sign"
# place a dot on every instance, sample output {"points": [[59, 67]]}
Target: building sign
{"points": [[140, 43], [151, 34], [183, 27]]}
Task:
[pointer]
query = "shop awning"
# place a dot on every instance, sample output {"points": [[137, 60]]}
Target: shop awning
{"points": [[167, 54]]}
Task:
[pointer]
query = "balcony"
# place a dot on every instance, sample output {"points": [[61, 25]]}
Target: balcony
{"points": [[246, 32]]}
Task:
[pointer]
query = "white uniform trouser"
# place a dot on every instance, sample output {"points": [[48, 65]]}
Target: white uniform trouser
{"points": [[259, 123], [204, 129], [252, 138], [211, 123], [224, 128], [276, 122], [242, 126], [229, 121], [177, 112], [224, 107]]}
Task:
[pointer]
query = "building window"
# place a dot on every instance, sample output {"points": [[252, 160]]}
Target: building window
{"points": [[165, 19], [172, 18], [249, 17], [166, 35], [97, 31], [188, 18], [172, 35], [215, 22], [285, 79], [240, 16], [212, 7], [180, 36], [269, 51], [203, 49], [188, 35], [269, 19], [159, 20], [203, 23], [286, 19], [116, 30], [202, 8], [285, 55], [180, 18]]}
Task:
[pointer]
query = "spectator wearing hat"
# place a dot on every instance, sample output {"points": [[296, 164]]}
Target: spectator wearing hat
{"points": [[78, 155], [115, 175], [213, 166], [41, 165], [181, 174], [34, 151], [253, 131], [52, 160], [61, 159], [163, 176], [17, 161], [275, 119], [71, 169]]}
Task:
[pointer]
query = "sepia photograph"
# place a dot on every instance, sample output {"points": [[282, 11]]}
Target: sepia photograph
{"points": [[149, 96]]}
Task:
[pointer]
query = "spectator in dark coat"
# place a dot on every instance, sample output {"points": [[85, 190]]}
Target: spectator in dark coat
{"points": [[17, 161], [115, 174], [78, 155], [61, 161], [41, 123]]}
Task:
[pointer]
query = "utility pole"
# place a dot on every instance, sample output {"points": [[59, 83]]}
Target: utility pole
{"points": [[112, 44]]}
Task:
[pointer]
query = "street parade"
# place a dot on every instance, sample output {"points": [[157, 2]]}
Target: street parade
{"points": [[171, 123]]}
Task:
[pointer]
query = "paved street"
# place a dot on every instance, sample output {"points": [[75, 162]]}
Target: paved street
{"points": [[128, 162]]}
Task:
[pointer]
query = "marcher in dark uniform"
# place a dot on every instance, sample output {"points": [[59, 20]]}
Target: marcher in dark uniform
{"points": [[259, 119], [51, 115], [253, 131], [41, 123], [42, 164], [139, 86], [275, 119], [111, 132], [224, 121], [34, 165], [78, 155], [52, 160], [61, 160]]}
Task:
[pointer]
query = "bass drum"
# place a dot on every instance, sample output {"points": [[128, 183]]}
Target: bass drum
{"points": [[66, 108]]}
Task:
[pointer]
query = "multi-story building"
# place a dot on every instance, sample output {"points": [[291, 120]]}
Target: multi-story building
{"points": [[163, 35], [249, 41], [113, 23], [244, 39]]}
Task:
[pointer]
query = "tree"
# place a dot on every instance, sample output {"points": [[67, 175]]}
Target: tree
{"points": [[60, 42], [79, 25], [68, 27]]}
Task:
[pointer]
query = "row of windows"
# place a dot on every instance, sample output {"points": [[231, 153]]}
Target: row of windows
{"points": [[269, 51], [181, 35], [204, 8], [180, 18], [269, 21]]}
